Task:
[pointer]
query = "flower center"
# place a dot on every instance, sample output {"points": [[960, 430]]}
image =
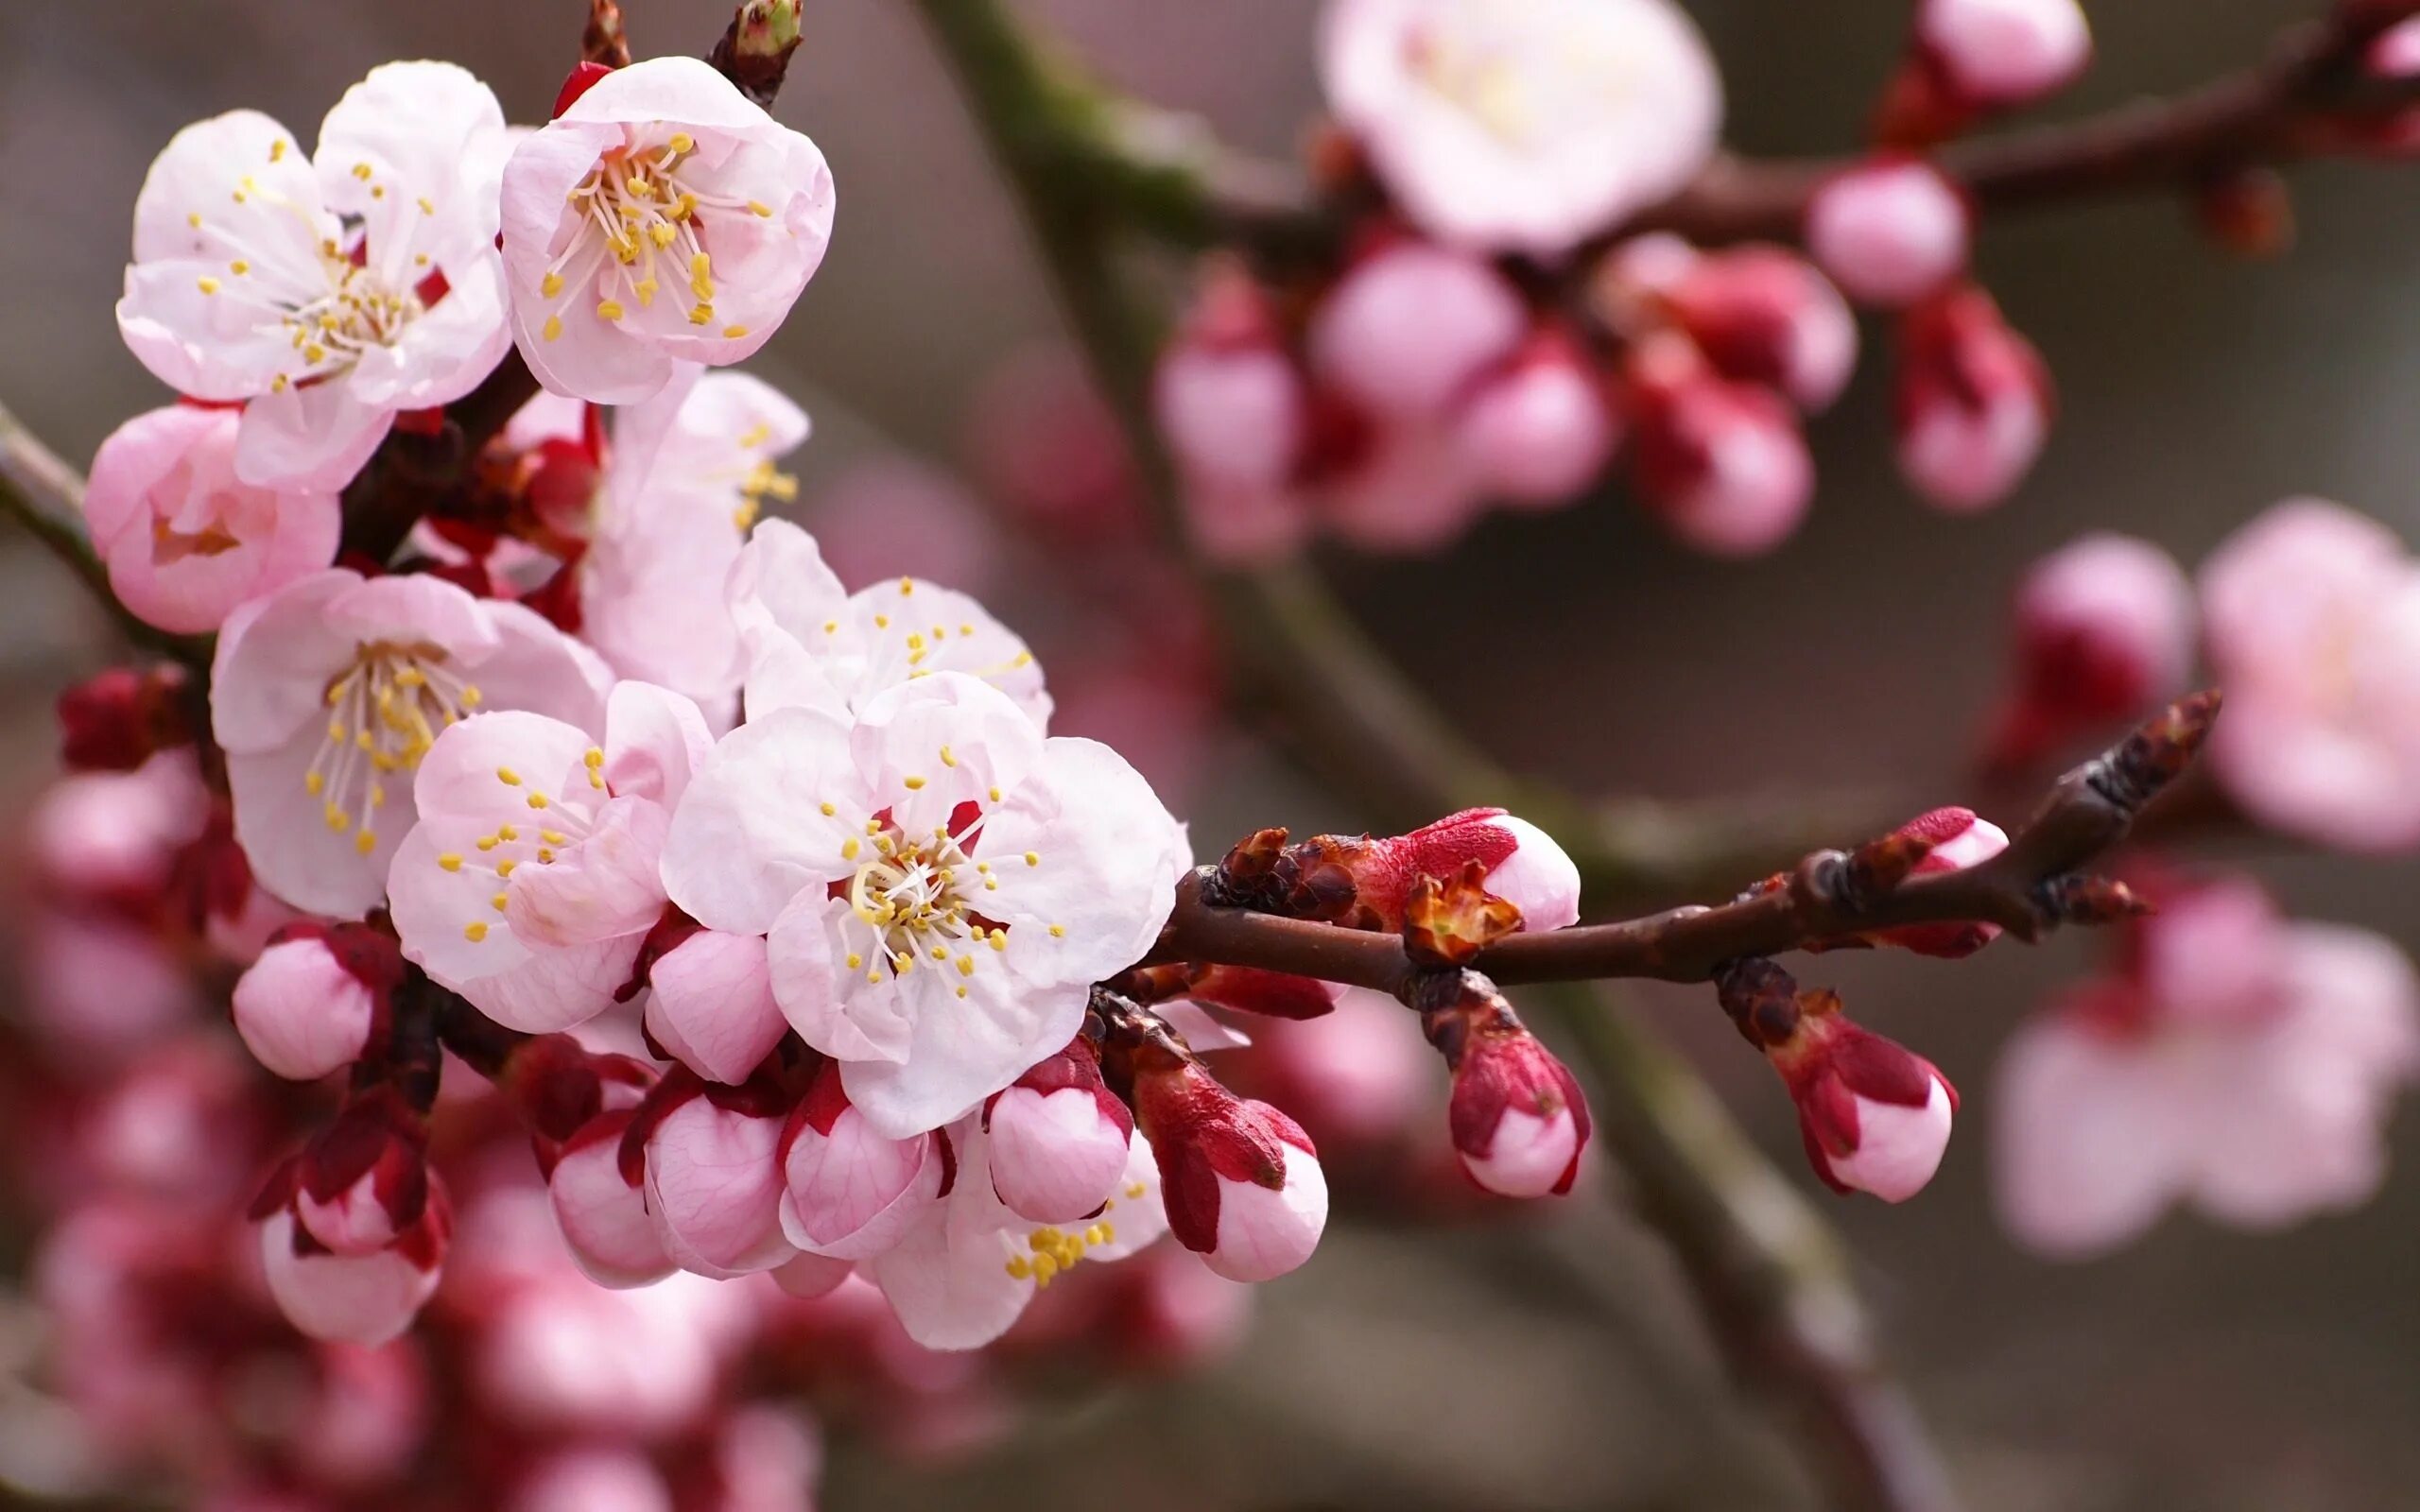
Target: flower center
{"points": [[1054, 1249], [170, 546], [911, 898], [384, 713], [554, 826], [641, 231]]}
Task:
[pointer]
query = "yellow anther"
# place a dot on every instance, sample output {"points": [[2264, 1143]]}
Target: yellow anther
{"points": [[554, 837], [209, 284], [609, 309], [487, 842], [965, 966], [998, 939], [505, 832], [702, 314], [553, 328], [682, 142], [593, 758], [498, 902], [537, 800], [1032, 858], [882, 622], [1019, 1267], [828, 810], [474, 931], [996, 794], [336, 819], [546, 857], [364, 842], [504, 868], [1057, 931], [1135, 1191], [426, 208], [646, 289], [912, 783], [277, 150], [550, 286], [508, 777], [194, 219], [361, 171], [469, 698], [315, 353], [732, 332], [855, 960], [758, 207], [849, 849], [314, 783], [239, 267]]}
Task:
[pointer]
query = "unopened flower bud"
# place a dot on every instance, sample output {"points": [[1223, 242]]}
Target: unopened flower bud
{"points": [[1763, 314], [1539, 430], [714, 1181], [1250, 989], [116, 720], [1722, 465], [1518, 1118], [1974, 401], [1960, 839], [1226, 395], [1889, 232], [710, 1004], [2103, 627], [1999, 53], [603, 1216], [311, 1002], [1059, 1139], [1408, 328], [364, 1180], [1242, 1185], [1525, 866], [849, 1193], [365, 1299]]}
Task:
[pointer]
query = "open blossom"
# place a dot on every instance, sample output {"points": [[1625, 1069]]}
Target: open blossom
{"points": [[327, 694], [2311, 618], [2243, 1063], [662, 219], [941, 884], [2103, 626], [1522, 126], [968, 1266], [808, 642], [531, 879], [1888, 233], [326, 293], [185, 538]]}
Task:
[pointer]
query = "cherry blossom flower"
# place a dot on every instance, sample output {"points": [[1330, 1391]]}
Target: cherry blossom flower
{"points": [[968, 1266], [367, 1299], [1235, 413], [531, 881], [1722, 465], [710, 1004], [714, 1183], [1242, 1186], [1960, 839], [603, 1218], [2243, 1064], [808, 642], [1518, 1118], [1058, 1137], [185, 539], [1523, 125], [2312, 617], [661, 218], [1410, 326], [1974, 401], [327, 694], [1875, 1118], [1539, 430], [310, 1004], [327, 293], [2103, 626], [941, 884], [1761, 314], [1888, 232], [2004, 52], [849, 1192]]}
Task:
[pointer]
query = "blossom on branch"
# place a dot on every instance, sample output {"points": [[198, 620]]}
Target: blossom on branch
{"points": [[328, 293], [2103, 627], [661, 218], [1522, 126]]}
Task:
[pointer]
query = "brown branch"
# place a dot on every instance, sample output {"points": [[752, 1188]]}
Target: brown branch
{"points": [[2032, 885]]}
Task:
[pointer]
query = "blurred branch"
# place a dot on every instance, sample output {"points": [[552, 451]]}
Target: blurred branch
{"points": [[1370, 729], [43, 493], [2039, 881]]}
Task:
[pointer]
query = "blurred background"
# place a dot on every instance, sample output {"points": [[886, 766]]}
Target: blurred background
{"points": [[1545, 1359]]}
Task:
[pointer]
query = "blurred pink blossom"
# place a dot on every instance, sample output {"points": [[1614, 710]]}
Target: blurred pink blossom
{"points": [[1973, 404], [2103, 627], [2004, 52], [1888, 232]]}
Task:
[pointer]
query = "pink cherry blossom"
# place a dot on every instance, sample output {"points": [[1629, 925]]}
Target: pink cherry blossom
{"points": [[2004, 52], [1888, 232], [1242, 1185], [1539, 431], [327, 694], [1523, 125], [1761, 314], [591, 1478], [327, 293], [849, 1193], [964, 1272], [1722, 465], [710, 1005], [714, 1186], [808, 642], [662, 219], [603, 1218], [2103, 627], [1408, 329], [1518, 1118], [2246, 1066], [1227, 395], [185, 539], [1973, 404], [1059, 1139], [2311, 618], [308, 1005], [1874, 1117], [356, 1298], [530, 879], [1960, 839], [1409, 490], [941, 884]]}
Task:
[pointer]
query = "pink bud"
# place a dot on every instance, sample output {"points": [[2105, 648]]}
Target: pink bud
{"points": [[850, 1193], [308, 1005], [1407, 492], [1408, 327], [714, 1186], [1241, 1183], [2103, 626], [1059, 1139], [1888, 232], [1539, 431], [1226, 396], [1518, 1118], [712, 1007], [1973, 405], [1525, 866], [364, 1180], [1874, 1117], [598, 1478], [604, 1218], [1720, 464], [1962, 839], [352, 1221], [355, 1298], [2004, 52], [1269, 994], [2395, 54], [1762, 314]]}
